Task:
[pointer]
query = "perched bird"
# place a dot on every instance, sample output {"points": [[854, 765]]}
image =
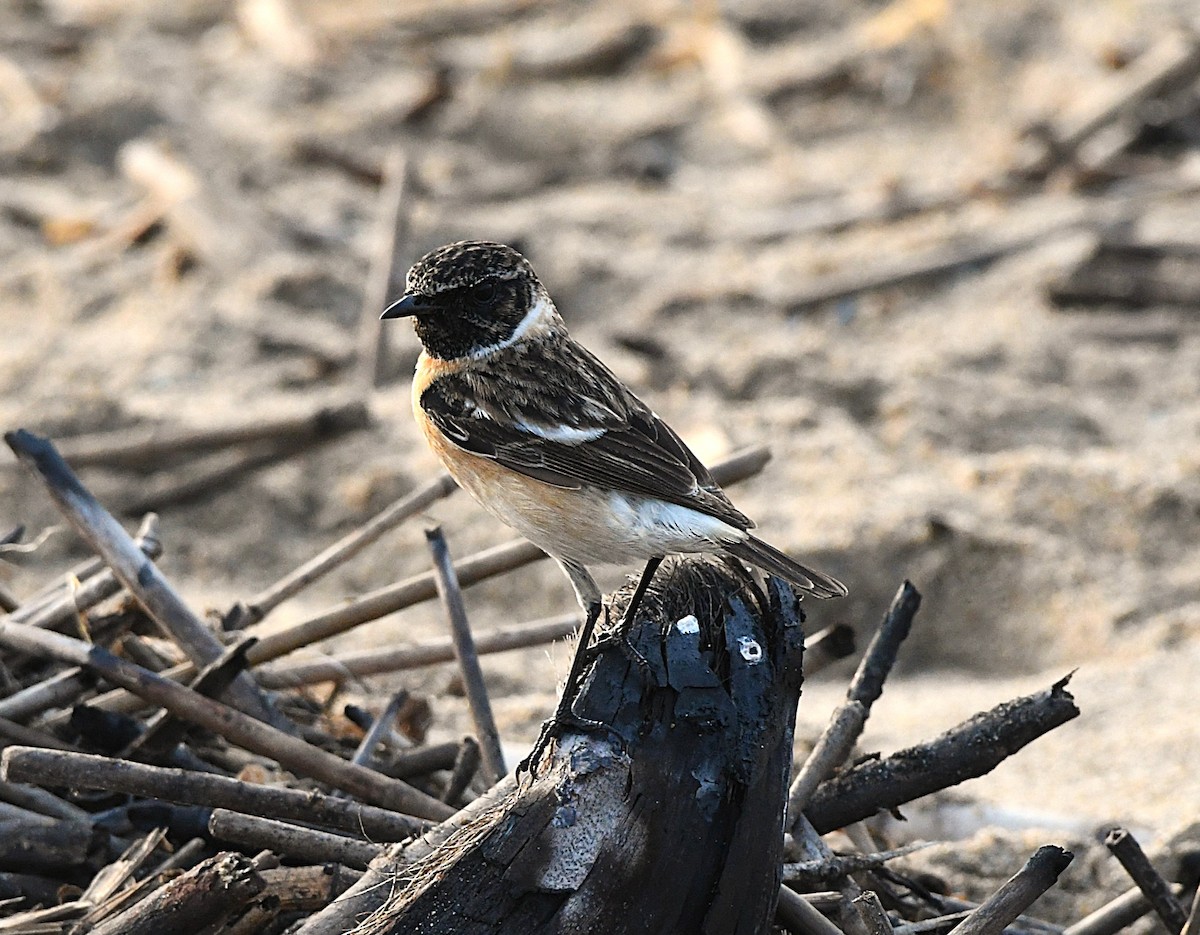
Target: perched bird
{"points": [[548, 439]]}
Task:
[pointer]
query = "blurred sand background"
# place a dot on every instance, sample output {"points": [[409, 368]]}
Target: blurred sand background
{"points": [[1035, 471]]}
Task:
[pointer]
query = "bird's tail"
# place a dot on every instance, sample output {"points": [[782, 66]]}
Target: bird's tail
{"points": [[771, 560]]}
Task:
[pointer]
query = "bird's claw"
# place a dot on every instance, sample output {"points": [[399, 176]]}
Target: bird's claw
{"points": [[562, 720]]}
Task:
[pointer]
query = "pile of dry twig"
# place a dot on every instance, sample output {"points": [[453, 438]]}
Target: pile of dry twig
{"points": [[163, 774]]}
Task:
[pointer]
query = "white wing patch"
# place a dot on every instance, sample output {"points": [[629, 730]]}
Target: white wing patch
{"points": [[561, 433]]}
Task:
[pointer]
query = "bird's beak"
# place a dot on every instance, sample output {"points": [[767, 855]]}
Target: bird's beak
{"points": [[406, 306]]}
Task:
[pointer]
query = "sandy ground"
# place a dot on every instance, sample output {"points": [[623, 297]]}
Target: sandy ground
{"points": [[1033, 471]]}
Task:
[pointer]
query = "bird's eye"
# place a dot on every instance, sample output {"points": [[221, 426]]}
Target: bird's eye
{"points": [[484, 293]]}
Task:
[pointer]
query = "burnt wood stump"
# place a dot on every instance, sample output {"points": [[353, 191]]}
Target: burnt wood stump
{"points": [[669, 821]]}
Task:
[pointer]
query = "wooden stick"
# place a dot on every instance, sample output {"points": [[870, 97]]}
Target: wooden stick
{"points": [[85, 585], [33, 843], [379, 729], [307, 889], [261, 604], [77, 577], [830, 751], [137, 572], [387, 600], [846, 724], [416, 655], [1115, 914], [142, 447], [1125, 848], [33, 799], [468, 659], [870, 911], [1192, 926], [466, 765], [877, 661], [238, 728], [163, 732], [291, 840], [66, 687], [383, 279], [202, 896], [970, 749], [19, 733], [798, 916], [421, 761], [1040, 873]]}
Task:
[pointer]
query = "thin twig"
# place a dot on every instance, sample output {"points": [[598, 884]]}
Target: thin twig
{"points": [[373, 737], [846, 724], [261, 604], [468, 658], [84, 586], [466, 765], [391, 246], [1192, 926], [1125, 848], [827, 871], [1040, 873], [1116, 914], [63, 688]]}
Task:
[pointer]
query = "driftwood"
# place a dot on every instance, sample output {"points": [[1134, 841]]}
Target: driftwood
{"points": [[698, 709], [970, 749], [204, 895]]}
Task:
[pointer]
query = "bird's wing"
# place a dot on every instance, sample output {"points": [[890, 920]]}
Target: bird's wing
{"points": [[595, 434]]}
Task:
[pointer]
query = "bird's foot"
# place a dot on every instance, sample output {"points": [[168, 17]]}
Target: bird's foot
{"points": [[619, 638], [563, 719]]}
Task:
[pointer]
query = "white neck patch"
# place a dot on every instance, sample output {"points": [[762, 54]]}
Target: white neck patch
{"points": [[540, 316]]}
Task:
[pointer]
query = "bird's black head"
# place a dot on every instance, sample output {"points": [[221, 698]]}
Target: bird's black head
{"points": [[470, 297]]}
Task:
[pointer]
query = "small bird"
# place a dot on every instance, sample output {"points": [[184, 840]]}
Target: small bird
{"points": [[550, 441]]}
